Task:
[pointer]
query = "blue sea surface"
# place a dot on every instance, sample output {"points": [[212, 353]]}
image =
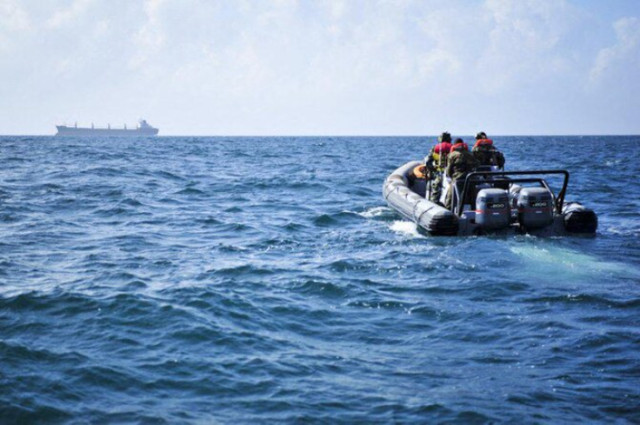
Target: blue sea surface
{"points": [[197, 280]]}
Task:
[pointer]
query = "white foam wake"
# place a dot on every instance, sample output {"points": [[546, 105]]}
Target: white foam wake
{"points": [[563, 262], [374, 212], [407, 228]]}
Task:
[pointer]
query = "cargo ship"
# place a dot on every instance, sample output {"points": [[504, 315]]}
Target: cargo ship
{"points": [[142, 130]]}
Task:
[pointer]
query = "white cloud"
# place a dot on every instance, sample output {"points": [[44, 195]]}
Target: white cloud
{"points": [[624, 53], [66, 16], [361, 66], [524, 40], [13, 16], [337, 8], [14, 20]]}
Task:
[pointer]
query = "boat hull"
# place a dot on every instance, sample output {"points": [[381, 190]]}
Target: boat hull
{"points": [[431, 217], [105, 132]]}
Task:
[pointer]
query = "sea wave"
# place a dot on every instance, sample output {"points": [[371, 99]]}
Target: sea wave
{"points": [[251, 280]]}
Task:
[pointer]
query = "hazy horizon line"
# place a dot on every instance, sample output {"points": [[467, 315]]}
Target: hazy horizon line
{"points": [[330, 135]]}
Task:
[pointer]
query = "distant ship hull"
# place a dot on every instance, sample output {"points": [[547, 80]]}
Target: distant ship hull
{"points": [[63, 130]]}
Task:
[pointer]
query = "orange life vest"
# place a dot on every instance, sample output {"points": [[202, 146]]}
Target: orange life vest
{"points": [[459, 146], [483, 142]]}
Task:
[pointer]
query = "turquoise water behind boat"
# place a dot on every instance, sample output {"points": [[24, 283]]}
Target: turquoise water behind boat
{"points": [[261, 280]]}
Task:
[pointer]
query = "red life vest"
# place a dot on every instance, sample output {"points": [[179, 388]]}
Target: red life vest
{"points": [[459, 146], [442, 147], [440, 154], [483, 142]]}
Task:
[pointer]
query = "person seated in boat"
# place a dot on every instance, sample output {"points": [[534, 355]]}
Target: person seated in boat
{"points": [[435, 164], [486, 153], [459, 163]]}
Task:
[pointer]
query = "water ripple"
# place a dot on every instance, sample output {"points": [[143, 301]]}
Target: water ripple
{"points": [[218, 280]]}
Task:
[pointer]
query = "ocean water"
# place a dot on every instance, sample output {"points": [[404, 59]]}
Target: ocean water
{"points": [[183, 280]]}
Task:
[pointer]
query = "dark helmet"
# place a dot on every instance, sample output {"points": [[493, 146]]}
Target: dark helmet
{"points": [[481, 135], [445, 137]]}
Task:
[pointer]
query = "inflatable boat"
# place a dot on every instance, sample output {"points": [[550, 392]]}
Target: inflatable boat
{"points": [[490, 201]]}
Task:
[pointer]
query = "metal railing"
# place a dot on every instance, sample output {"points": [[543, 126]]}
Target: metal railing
{"points": [[480, 177]]}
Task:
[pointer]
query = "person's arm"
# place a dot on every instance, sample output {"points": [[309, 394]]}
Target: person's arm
{"points": [[450, 161]]}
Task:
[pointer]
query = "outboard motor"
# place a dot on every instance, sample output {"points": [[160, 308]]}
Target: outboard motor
{"points": [[535, 207], [492, 209], [578, 219]]}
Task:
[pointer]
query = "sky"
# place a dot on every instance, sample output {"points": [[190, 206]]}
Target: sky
{"points": [[322, 67]]}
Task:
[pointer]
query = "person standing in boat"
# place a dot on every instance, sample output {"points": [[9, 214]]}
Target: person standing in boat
{"points": [[459, 163], [486, 153], [435, 164]]}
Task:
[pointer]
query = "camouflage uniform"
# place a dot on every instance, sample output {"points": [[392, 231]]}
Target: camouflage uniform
{"points": [[436, 187], [460, 163], [486, 153], [435, 164]]}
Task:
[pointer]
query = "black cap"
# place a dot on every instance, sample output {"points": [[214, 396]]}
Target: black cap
{"points": [[481, 135]]}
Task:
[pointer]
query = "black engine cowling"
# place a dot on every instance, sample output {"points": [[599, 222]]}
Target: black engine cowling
{"points": [[578, 219]]}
